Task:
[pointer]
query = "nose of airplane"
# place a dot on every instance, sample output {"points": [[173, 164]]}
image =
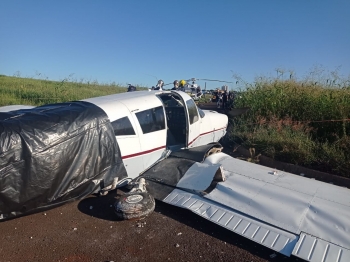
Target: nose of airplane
{"points": [[217, 120], [223, 120]]}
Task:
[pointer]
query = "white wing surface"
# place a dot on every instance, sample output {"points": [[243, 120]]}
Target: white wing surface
{"points": [[287, 213]]}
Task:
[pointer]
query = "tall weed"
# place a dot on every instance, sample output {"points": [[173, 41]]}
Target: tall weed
{"points": [[300, 122]]}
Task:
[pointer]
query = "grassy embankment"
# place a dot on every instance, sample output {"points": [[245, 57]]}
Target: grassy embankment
{"points": [[299, 122], [28, 91], [289, 120]]}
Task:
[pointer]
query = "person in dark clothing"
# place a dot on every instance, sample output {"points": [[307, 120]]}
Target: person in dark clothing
{"points": [[224, 99], [159, 85], [131, 88], [176, 85], [198, 92]]}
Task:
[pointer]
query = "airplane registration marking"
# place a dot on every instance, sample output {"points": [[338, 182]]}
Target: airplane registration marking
{"points": [[237, 224], [256, 231], [273, 243], [312, 249], [246, 228], [325, 253], [263, 239], [221, 217], [302, 240], [228, 221]]}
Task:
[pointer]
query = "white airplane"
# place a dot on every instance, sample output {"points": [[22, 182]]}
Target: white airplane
{"points": [[168, 147]]}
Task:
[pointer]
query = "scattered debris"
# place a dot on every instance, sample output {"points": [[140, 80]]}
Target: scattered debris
{"points": [[179, 234], [140, 224], [75, 229], [274, 172], [91, 207], [273, 255], [177, 245]]}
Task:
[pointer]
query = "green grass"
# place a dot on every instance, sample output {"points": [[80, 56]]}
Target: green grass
{"points": [[15, 90], [297, 122]]}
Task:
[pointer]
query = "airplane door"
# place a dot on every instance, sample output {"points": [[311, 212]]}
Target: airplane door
{"points": [[153, 133], [193, 120]]}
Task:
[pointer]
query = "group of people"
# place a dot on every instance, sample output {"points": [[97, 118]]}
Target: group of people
{"points": [[225, 99], [178, 86]]}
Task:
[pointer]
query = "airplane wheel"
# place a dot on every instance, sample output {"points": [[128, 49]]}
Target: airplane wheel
{"points": [[213, 150], [134, 205]]}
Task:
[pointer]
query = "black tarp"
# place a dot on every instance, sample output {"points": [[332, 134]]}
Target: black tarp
{"points": [[163, 177], [53, 154]]}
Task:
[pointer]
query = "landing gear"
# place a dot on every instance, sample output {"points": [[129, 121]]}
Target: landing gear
{"points": [[213, 150], [135, 204]]}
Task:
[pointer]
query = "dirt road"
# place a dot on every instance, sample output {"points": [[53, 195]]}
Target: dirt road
{"points": [[87, 230]]}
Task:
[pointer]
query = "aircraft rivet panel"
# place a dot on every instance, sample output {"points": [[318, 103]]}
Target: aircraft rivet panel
{"points": [[271, 237], [315, 249]]}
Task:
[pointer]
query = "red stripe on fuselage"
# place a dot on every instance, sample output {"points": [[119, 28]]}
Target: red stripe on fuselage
{"points": [[206, 134], [144, 152]]}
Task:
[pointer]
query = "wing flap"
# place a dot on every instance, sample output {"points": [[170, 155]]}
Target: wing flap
{"points": [[314, 249], [262, 233]]}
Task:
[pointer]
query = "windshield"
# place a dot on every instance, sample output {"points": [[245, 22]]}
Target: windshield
{"points": [[201, 112]]}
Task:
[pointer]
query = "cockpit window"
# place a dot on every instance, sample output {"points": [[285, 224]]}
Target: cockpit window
{"points": [[122, 127], [201, 112], [171, 101], [151, 120], [192, 111]]}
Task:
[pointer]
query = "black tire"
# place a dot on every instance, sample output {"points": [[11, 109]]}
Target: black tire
{"points": [[134, 205], [213, 150]]}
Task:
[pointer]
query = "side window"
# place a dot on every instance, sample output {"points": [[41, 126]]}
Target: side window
{"points": [[192, 111], [151, 120], [122, 127]]}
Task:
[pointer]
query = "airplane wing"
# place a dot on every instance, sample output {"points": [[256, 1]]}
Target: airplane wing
{"points": [[290, 214]]}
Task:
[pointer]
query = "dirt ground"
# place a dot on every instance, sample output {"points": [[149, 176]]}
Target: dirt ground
{"points": [[87, 230]]}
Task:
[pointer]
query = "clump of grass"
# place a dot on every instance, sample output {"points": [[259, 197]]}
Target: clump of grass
{"points": [[281, 139], [300, 122]]}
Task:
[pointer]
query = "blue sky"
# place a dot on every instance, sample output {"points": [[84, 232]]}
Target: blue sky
{"points": [[140, 41]]}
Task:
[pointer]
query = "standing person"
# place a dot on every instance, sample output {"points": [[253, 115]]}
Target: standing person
{"points": [[219, 101], [198, 92], [159, 85], [176, 85], [182, 85], [224, 99], [131, 88]]}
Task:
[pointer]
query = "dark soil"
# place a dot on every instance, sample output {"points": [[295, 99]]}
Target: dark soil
{"points": [[88, 230]]}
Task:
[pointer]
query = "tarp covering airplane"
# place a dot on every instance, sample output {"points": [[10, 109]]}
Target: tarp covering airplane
{"points": [[53, 154]]}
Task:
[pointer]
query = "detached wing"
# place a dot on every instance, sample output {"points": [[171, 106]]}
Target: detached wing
{"points": [[287, 213]]}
